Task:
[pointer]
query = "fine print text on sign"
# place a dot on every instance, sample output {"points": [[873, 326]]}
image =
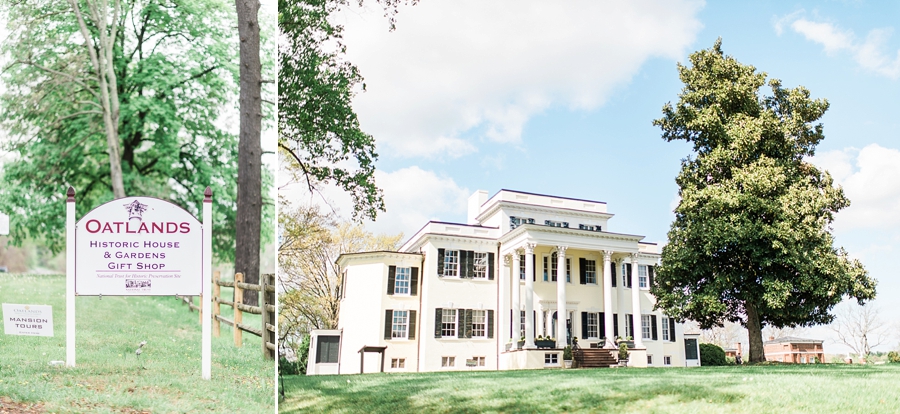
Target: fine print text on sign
{"points": [[138, 246], [31, 320]]}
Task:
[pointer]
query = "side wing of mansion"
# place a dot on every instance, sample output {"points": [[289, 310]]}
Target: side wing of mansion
{"points": [[476, 296]]}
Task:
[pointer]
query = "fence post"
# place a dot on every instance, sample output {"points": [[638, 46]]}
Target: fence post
{"points": [[262, 313], [273, 319], [215, 303], [238, 314]]}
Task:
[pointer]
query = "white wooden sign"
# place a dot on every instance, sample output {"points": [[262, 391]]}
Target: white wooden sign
{"points": [[4, 224], [138, 246], [30, 320]]}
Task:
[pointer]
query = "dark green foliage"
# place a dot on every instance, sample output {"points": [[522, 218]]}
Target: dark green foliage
{"points": [[712, 355], [303, 354], [286, 367], [751, 239], [893, 357], [567, 353], [318, 131]]}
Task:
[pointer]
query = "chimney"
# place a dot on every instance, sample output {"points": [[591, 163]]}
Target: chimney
{"points": [[739, 348], [475, 201]]}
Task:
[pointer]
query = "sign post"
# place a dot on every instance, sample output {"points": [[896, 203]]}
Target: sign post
{"points": [[4, 224], [138, 246], [70, 277]]}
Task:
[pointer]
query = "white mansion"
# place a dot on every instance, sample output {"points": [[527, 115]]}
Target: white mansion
{"points": [[461, 296]]}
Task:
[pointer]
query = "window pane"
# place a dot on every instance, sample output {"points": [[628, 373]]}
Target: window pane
{"points": [[451, 263], [448, 323], [478, 323], [401, 281], [327, 349], [481, 265], [398, 328]]}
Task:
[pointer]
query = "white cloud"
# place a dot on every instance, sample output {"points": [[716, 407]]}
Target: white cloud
{"points": [[453, 67], [869, 53], [412, 197], [869, 178]]}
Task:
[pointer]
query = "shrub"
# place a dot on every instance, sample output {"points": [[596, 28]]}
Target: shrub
{"points": [[567, 353], [893, 357], [623, 351], [712, 355], [730, 360], [286, 367]]}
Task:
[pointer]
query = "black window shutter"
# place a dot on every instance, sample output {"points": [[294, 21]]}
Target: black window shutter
{"points": [[616, 324], [600, 318], [534, 320], [437, 322], [414, 281], [612, 271], [671, 330], [533, 268], [628, 277], [490, 269], [584, 325], [512, 321], [653, 327], [388, 318], [392, 273], [631, 328], [490, 323], [582, 269], [440, 263], [464, 316], [470, 264], [412, 324], [650, 274]]}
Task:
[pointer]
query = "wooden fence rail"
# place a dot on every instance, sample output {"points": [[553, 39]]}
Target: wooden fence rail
{"points": [[266, 309]]}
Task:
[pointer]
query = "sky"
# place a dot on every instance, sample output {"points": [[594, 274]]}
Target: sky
{"points": [[559, 99]]}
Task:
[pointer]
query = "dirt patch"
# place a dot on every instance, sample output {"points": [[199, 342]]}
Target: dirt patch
{"points": [[8, 406]]}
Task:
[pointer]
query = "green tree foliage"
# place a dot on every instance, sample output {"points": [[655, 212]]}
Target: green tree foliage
{"points": [[751, 239], [712, 355], [175, 67], [319, 135]]}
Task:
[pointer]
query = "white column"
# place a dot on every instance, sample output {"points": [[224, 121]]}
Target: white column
{"points": [[607, 299], [503, 317], [70, 277], [636, 302], [529, 295], [516, 302], [561, 295]]}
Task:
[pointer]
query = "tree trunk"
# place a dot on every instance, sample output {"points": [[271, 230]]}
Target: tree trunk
{"points": [[754, 329], [249, 193]]}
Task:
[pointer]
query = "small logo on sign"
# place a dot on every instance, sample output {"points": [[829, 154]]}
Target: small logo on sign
{"points": [[137, 284], [135, 210]]}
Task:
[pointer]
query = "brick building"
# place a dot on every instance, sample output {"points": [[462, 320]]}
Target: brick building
{"points": [[794, 350]]}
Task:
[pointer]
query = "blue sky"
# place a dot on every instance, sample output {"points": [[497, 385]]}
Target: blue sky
{"points": [[559, 99]]}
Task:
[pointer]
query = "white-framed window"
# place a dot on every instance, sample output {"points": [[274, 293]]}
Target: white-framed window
{"points": [[665, 328], [479, 324], [521, 323], [400, 324], [551, 359], [642, 276], [401, 281], [625, 275], [649, 359], [448, 361], [553, 223], [627, 325], [398, 363], [593, 325], [645, 327], [481, 265], [451, 263], [479, 361], [550, 272], [449, 323], [667, 360], [590, 227], [521, 267], [517, 221], [590, 271]]}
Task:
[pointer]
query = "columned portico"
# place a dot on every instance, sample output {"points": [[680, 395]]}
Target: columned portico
{"points": [[607, 299], [529, 295], [636, 302], [516, 302], [561, 295]]}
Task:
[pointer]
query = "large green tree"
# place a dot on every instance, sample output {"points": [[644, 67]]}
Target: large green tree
{"points": [[168, 69], [751, 241], [319, 136]]}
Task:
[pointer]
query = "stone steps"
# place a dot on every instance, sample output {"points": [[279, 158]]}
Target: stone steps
{"points": [[597, 358]]}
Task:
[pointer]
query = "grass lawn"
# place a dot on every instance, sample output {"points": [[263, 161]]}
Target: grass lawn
{"points": [[108, 376], [741, 389]]}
